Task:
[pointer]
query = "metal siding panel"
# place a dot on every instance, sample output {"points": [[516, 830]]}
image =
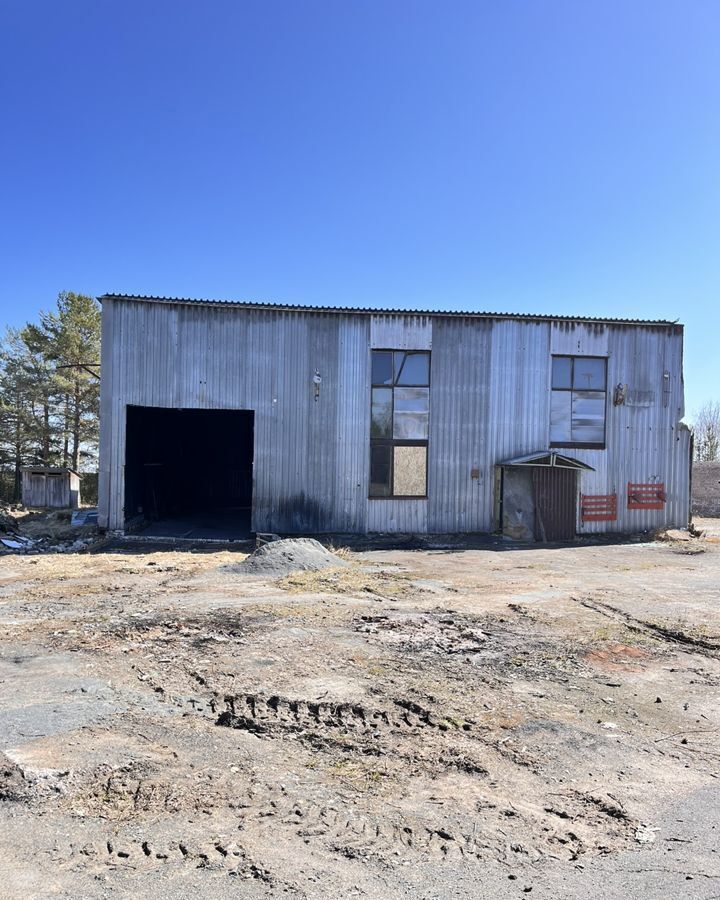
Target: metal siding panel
{"points": [[643, 442], [490, 400], [579, 339], [519, 394], [408, 332], [107, 434], [459, 421], [400, 516], [234, 359], [351, 474]]}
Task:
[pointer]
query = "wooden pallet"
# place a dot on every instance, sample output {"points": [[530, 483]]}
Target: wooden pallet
{"points": [[645, 496], [598, 507]]}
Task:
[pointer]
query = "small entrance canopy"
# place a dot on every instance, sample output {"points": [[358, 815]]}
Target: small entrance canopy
{"points": [[549, 459]]}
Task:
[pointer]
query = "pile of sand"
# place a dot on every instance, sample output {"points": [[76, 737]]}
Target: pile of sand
{"points": [[280, 558]]}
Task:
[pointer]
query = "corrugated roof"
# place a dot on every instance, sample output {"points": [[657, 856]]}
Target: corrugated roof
{"points": [[357, 310]]}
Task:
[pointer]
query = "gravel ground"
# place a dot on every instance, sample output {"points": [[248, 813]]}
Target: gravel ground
{"points": [[412, 723]]}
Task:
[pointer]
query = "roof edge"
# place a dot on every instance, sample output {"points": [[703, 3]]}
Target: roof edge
{"points": [[353, 310]]}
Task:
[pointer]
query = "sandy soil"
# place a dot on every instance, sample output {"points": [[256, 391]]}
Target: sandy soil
{"points": [[422, 724]]}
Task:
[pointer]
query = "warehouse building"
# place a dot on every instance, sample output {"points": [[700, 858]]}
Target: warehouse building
{"points": [[222, 418]]}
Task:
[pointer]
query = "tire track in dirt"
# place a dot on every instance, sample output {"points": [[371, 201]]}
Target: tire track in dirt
{"points": [[405, 729], [704, 646]]}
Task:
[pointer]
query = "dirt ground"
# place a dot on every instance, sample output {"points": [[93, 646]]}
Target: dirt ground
{"points": [[471, 723]]}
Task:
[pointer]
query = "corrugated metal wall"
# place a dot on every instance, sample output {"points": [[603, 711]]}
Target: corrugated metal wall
{"points": [[644, 443], [489, 401]]}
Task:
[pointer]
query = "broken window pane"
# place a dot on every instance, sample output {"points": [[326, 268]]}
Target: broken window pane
{"points": [[588, 417], [382, 367], [410, 421], [589, 373], [410, 426], [410, 471], [561, 372], [577, 406], [560, 416], [381, 418], [411, 413], [380, 470], [412, 399], [414, 369]]}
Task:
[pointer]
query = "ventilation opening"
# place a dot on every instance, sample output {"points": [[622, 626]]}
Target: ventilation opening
{"points": [[189, 472]]}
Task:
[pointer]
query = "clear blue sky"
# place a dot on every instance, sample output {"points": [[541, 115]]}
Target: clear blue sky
{"points": [[558, 156]]}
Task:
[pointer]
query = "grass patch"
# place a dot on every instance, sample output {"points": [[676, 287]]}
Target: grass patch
{"points": [[350, 580], [617, 633]]}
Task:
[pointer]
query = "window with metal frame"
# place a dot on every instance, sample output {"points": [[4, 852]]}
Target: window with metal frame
{"points": [[399, 422], [578, 401]]}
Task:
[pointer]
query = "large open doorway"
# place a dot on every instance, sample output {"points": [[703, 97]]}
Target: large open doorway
{"points": [[189, 472]]}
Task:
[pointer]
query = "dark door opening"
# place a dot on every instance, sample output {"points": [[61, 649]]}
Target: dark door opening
{"points": [[189, 472]]}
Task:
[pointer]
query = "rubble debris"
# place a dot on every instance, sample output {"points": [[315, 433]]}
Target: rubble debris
{"points": [[646, 834], [16, 543], [8, 522], [676, 534], [86, 516], [46, 531], [12, 781], [425, 632]]}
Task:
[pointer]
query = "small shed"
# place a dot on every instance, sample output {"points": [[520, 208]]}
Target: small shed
{"points": [[48, 487]]}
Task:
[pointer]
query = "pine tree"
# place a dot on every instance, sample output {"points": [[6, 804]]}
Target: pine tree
{"points": [[72, 336], [50, 391], [17, 439]]}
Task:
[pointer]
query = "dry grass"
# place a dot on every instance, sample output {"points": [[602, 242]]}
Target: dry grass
{"points": [[343, 552], [616, 633], [354, 580]]}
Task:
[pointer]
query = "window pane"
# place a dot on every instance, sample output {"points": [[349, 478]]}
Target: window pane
{"points": [[560, 414], [380, 470], [381, 418], [412, 399], [588, 417], [411, 413], [410, 426], [415, 369], [589, 373], [382, 367], [561, 372], [410, 471]]}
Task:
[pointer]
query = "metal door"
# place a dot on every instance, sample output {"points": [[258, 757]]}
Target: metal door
{"points": [[555, 490]]}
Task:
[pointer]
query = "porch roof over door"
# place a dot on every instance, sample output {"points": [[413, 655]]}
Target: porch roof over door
{"points": [[547, 458]]}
